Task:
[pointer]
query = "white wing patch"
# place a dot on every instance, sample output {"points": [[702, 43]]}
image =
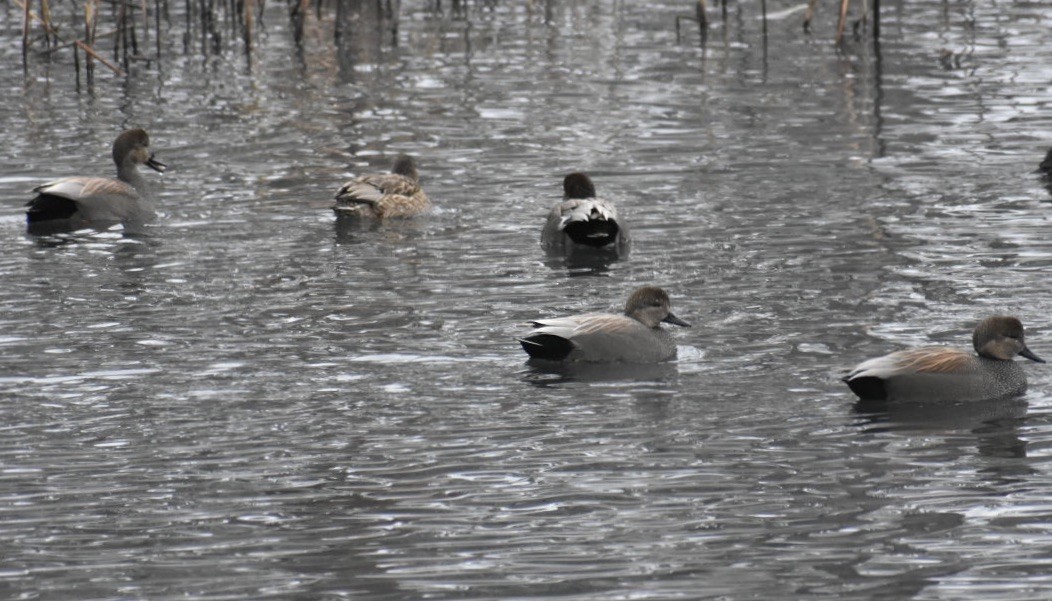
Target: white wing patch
{"points": [[586, 209]]}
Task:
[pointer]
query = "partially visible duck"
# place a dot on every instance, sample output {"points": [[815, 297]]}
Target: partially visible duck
{"points": [[584, 220], [1046, 165], [633, 337], [949, 374], [384, 195], [77, 202]]}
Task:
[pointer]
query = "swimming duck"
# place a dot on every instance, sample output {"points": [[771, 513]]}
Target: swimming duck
{"points": [[384, 195], [949, 374], [76, 202], [633, 337], [583, 219]]}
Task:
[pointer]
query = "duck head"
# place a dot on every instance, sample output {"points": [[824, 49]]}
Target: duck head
{"points": [[650, 306], [405, 166], [578, 185], [134, 145], [1001, 338]]}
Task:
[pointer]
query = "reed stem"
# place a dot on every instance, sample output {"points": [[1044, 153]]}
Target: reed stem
{"points": [[95, 55]]}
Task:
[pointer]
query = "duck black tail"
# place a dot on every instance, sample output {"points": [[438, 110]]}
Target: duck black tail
{"points": [[46, 207], [546, 346], [593, 232], [868, 388]]}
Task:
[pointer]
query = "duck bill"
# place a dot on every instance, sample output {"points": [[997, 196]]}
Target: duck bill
{"points": [[156, 165], [672, 319], [1030, 355]]}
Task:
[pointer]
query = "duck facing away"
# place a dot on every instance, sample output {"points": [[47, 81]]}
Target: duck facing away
{"points": [[584, 220], [948, 374], [76, 202], [384, 195], [633, 337]]}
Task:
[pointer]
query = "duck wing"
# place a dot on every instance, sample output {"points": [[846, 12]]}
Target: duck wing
{"points": [[927, 360], [80, 189], [371, 189]]}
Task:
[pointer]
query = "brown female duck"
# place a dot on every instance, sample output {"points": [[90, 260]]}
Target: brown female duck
{"points": [[384, 195]]}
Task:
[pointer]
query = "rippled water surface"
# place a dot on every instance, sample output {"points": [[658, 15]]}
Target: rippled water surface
{"points": [[251, 402]]}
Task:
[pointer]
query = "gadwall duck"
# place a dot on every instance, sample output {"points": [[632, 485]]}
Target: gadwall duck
{"points": [[384, 195], [634, 337], [948, 374], [582, 219], [77, 202]]}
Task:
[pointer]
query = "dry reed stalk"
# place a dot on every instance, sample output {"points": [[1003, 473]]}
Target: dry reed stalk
{"points": [[809, 15], [76, 63], [298, 13], [25, 36], [208, 27], [122, 37], [63, 45], [234, 17], [133, 29], [188, 35], [876, 23], [249, 10], [157, 28], [88, 50], [45, 19], [27, 9], [145, 23], [700, 16], [89, 35], [841, 21], [48, 27]]}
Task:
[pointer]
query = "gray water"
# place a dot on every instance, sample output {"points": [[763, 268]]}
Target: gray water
{"points": [[249, 402]]}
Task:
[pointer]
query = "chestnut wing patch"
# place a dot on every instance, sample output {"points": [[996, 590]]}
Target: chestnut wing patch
{"points": [[933, 360]]}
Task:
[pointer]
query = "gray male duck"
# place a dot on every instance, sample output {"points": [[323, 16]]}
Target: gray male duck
{"points": [[633, 337], [76, 202], [947, 374], [384, 195], [583, 219]]}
